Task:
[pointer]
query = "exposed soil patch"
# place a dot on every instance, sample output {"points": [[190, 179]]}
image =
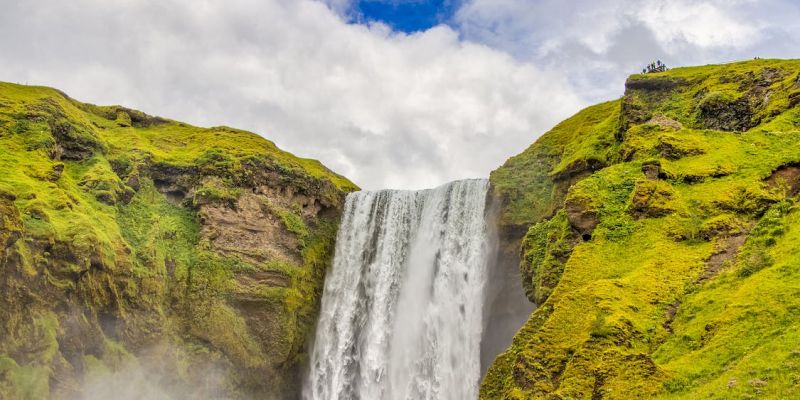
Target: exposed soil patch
{"points": [[728, 250], [794, 99], [582, 217], [787, 177], [597, 388], [669, 315], [664, 122], [651, 170]]}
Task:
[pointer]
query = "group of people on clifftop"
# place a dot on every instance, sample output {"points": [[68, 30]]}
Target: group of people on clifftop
{"points": [[655, 66]]}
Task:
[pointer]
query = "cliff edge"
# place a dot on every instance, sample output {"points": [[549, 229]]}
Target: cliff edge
{"points": [[137, 250], [658, 235]]}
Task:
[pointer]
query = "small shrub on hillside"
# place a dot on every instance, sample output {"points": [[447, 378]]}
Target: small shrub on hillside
{"points": [[766, 233], [600, 329], [20, 126], [755, 261]]}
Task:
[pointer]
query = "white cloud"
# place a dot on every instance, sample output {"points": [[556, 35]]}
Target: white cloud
{"points": [[706, 25], [702, 23], [340, 6], [385, 109], [598, 43]]}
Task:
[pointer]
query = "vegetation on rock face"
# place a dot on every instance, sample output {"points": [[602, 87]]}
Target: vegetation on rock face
{"points": [[533, 183], [662, 241], [131, 239]]}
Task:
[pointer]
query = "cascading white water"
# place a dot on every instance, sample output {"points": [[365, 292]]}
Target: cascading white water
{"points": [[402, 309]]}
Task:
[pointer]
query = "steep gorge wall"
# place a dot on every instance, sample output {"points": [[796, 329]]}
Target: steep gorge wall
{"points": [[192, 257], [655, 234]]}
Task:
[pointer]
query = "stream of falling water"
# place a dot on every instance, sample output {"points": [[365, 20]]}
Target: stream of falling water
{"points": [[402, 308]]}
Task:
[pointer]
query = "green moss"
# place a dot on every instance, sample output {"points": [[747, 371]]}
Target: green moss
{"points": [[123, 119], [727, 97], [215, 191], [659, 301], [768, 231], [220, 150], [159, 233], [102, 238], [652, 199], [673, 147], [577, 146], [545, 249], [294, 223], [721, 225], [23, 382], [741, 327]]}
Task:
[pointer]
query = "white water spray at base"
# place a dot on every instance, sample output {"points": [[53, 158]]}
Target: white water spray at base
{"points": [[402, 309]]}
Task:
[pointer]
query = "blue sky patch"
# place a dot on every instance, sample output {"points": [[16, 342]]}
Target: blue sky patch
{"points": [[405, 15]]}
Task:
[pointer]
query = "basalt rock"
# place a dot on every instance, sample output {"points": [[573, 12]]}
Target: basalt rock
{"points": [[582, 214], [786, 178]]}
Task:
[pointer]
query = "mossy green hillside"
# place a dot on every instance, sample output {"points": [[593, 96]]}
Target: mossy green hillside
{"points": [[108, 250], [533, 182], [665, 268]]}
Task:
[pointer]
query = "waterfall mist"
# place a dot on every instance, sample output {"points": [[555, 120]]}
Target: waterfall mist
{"points": [[403, 305], [506, 307]]}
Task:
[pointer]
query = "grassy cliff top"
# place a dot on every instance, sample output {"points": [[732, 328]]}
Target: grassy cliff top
{"points": [[735, 97], [130, 133], [662, 242]]}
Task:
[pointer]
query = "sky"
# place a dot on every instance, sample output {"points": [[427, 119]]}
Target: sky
{"points": [[403, 94]]}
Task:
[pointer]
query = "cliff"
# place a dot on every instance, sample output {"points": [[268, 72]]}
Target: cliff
{"points": [[185, 260], [658, 235]]}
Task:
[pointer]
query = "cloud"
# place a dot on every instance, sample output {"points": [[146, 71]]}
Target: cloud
{"points": [[705, 25], [598, 43], [385, 109], [340, 6], [541, 26]]}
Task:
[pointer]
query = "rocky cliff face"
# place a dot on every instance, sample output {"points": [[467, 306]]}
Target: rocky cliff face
{"points": [[657, 234], [136, 250]]}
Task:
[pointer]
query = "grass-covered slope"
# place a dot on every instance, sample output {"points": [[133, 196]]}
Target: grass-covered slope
{"points": [[191, 256], [662, 242]]}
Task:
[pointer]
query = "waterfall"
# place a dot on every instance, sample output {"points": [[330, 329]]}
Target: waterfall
{"points": [[402, 308]]}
